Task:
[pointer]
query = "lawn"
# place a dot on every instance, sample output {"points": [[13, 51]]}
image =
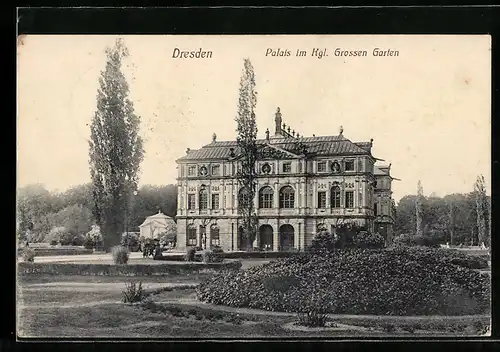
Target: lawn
{"points": [[48, 307], [48, 312]]}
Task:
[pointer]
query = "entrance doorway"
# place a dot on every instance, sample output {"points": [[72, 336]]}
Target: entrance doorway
{"points": [[266, 237], [286, 237]]}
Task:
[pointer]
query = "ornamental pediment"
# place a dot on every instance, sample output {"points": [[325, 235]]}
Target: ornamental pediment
{"points": [[270, 152]]}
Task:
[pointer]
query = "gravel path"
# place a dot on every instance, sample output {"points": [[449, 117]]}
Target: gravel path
{"points": [[195, 302]]}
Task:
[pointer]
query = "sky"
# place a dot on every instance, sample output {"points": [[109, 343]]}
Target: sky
{"points": [[428, 109]]}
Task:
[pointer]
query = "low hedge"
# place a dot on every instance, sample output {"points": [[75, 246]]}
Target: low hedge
{"points": [[379, 282], [45, 252], [231, 255], [123, 269]]}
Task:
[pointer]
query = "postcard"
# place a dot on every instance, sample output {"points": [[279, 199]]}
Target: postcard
{"points": [[253, 186]]}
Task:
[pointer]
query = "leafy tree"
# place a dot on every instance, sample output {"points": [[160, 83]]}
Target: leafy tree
{"points": [[116, 149], [33, 202], [77, 195], [481, 208], [405, 219], [76, 219], [149, 200], [247, 143], [59, 234]]}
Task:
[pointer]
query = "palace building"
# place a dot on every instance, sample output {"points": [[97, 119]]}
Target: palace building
{"points": [[304, 184]]}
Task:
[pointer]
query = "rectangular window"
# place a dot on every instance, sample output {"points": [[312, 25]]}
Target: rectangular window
{"points": [[191, 201], [322, 200], [215, 201], [191, 240], [375, 209], [214, 236], [349, 199], [203, 200], [266, 198], [215, 170], [335, 197], [287, 198], [191, 170], [287, 167], [349, 165], [322, 166]]}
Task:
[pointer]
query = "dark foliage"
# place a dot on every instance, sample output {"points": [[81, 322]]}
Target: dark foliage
{"points": [[190, 253], [395, 282], [123, 270], [133, 293], [417, 240]]}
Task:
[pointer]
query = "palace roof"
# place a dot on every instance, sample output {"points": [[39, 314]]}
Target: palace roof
{"points": [[320, 146]]}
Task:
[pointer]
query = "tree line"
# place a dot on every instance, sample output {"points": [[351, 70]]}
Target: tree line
{"points": [[459, 218], [44, 216]]}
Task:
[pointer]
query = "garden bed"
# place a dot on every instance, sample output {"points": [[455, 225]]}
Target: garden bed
{"points": [[164, 269], [399, 282]]}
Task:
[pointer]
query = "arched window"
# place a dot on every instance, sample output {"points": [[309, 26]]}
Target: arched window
{"points": [[335, 197], [203, 198], [287, 197], [243, 198], [191, 236], [266, 196], [214, 235]]}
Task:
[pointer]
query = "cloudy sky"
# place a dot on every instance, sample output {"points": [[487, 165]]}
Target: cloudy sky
{"points": [[428, 109]]}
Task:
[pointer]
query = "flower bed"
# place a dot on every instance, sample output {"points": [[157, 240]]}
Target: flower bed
{"points": [[381, 282], [124, 269]]}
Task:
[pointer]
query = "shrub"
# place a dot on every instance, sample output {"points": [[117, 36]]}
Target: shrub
{"points": [[158, 252], [59, 234], [133, 293], [313, 316], [217, 249], [211, 256], [77, 240], [131, 241], [208, 256], [323, 242], [416, 240], [54, 242], [401, 281], [88, 243], [387, 327], [190, 252], [120, 254], [408, 327], [451, 256], [364, 239], [29, 255]]}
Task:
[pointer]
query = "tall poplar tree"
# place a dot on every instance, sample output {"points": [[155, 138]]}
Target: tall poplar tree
{"points": [[116, 149], [247, 144], [419, 209], [451, 215], [481, 209]]}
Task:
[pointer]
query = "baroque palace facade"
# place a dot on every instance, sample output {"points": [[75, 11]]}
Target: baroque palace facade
{"points": [[304, 184]]}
